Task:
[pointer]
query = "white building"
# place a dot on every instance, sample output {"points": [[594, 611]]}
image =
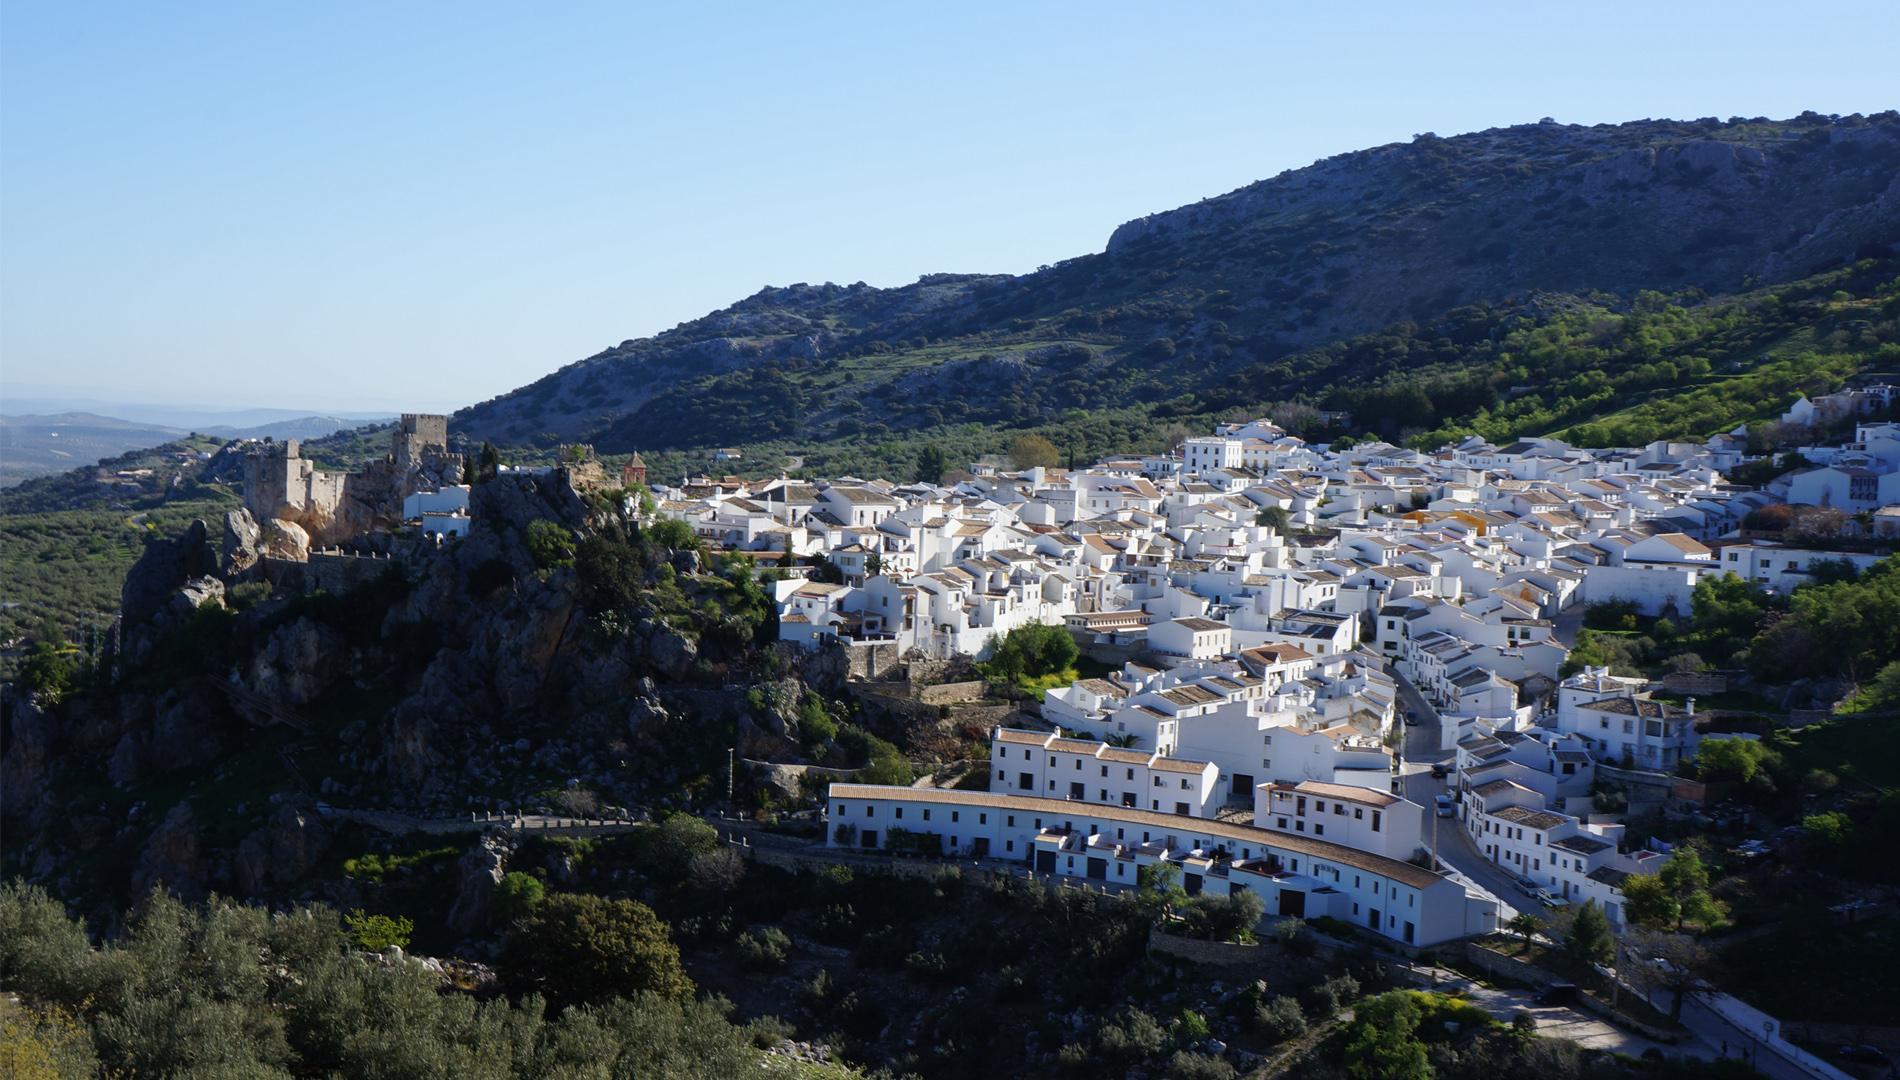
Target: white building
{"points": [[1295, 875]]}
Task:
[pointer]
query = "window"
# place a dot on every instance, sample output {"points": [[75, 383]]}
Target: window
{"points": [[1358, 813], [1339, 809], [982, 819], [870, 811], [954, 815], [1280, 822], [1375, 821], [1319, 829], [900, 813]]}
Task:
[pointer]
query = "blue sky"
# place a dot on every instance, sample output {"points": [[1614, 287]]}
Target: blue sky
{"points": [[421, 206]]}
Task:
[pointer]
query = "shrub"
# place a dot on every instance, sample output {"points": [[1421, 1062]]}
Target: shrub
{"points": [[549, 544], [768, 948], [1279, 1020], [583, 947], [1187, 1065], [517, 895], [378, 932], [1323, 999]]}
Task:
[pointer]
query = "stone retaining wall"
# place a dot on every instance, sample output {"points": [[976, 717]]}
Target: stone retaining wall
{"points": [[957, 693], [1210, 954]]}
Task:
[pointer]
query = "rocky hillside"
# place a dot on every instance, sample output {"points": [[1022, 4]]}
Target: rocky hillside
{"points": [[1180, 301], [512, 668]]}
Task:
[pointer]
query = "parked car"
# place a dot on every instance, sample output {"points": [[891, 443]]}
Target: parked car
{"points": [[1438, 770], [1411, 719], [1551, 899], [1750, 849], [1528, 887], [1442, 802], [1562, 993]]}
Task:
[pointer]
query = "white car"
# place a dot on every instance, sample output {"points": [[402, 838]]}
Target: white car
{"points": [[1550, 899]]}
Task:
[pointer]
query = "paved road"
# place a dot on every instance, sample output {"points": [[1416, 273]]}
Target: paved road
{"points": [[1448, 834]]}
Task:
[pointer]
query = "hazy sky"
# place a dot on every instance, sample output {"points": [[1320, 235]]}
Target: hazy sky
{"points": [[410, 205]]}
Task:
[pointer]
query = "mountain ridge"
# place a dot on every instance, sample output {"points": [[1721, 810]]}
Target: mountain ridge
{"points": [[1186, 298]]}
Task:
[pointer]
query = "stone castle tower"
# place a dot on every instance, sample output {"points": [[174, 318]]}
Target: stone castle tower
{"points": [[418, 434]]}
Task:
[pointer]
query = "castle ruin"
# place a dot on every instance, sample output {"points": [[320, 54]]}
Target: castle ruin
{"points": [[280, 485]]}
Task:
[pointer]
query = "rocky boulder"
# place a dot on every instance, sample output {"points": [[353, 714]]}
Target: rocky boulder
{"points": [[286, 540], [479, 870], [282, 851], [31, 738], [172, 857], [194, 594], [298, 662], [242, 546], [671, 653], [162, 569]]}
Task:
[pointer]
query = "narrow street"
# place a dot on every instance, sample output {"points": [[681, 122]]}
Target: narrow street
{"points": [[1446, 836]]}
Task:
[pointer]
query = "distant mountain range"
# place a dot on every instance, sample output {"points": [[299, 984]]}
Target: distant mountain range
{"points": [[1252, 297], [41, 444]]}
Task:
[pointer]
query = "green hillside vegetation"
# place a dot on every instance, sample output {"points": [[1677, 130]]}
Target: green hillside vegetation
{"points": [[1598, 371], [1490, 272], [68, 567]]}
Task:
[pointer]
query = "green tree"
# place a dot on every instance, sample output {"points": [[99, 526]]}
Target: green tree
{"points": [[1827, 834], [48, 668], [1589, 940], [1031, 451], [1525, 925], [1687, 881], [1737, 760], [1276, 518], [1158, 889], [931, 465], [1031, 652], [581, 947], [517, 894], [1647, 902], [549, 544], [1381, 1043]]}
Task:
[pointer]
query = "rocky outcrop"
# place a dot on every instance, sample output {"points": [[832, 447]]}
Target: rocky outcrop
{"points": [[146, 601], [669, 652], [171, 857], [479, 870], [286, 540], [32, 735], [299, 661], [242, 546], [283, 851]]}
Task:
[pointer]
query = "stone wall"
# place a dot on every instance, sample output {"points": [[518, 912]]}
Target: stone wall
{"points": [[1683, 682], [872, 659], [1211, 954], [956, 693], [338, 572]]}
